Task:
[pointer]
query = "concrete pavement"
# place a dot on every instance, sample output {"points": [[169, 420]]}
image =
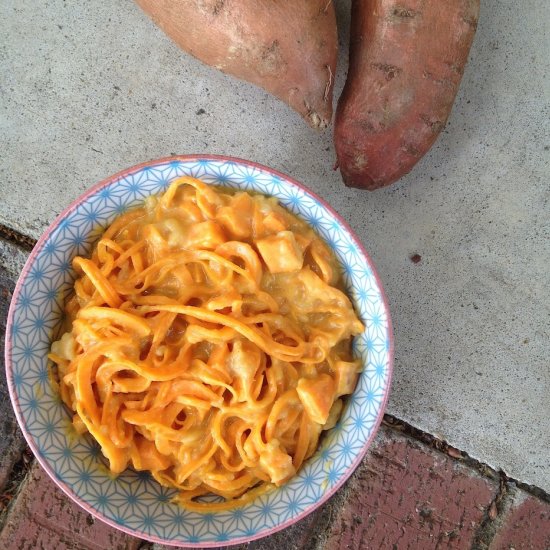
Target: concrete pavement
{"points": [[91, 88]]}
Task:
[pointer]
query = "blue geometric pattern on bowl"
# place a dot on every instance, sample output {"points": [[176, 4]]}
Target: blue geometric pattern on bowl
{"points": [[133, 501]]}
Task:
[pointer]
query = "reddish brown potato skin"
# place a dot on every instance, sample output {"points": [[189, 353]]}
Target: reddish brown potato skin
{"points": [[289, 48], [406, 62]]}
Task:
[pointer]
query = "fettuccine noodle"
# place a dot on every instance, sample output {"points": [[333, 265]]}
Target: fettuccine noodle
{"points": [[209, 343]]}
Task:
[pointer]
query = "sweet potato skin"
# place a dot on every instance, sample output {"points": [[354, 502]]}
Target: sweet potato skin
{"points": [[287, 48], [406, 62]]}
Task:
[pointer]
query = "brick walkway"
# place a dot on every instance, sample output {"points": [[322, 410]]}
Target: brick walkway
{"points": [[406, 494]]}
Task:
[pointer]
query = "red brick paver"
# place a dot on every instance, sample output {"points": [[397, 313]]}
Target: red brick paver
{"points": [[408, 495], [526, 526], [295, 537], [45, 518]]}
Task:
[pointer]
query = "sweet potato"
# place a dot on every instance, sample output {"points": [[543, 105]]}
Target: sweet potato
{"points": [[406, 62], [287, 48]]}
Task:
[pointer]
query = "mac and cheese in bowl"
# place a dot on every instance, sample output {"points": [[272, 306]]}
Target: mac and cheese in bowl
{"points": [[203, 351]]}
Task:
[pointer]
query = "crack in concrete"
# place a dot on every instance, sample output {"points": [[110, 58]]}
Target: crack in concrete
{"points": [[14, 237], [483, 469]]}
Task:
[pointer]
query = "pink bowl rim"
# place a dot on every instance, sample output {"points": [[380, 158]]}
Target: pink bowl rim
{"points": [[38, 248]]}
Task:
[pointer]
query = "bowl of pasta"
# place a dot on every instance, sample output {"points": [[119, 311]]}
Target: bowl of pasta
{"points": [[199, 351]]}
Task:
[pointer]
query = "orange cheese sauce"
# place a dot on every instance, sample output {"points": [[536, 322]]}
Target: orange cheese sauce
{"points": [[210, 343]]}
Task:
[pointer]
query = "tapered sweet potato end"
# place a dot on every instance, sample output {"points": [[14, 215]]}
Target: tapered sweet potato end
{"points": [[316, 111], [287, 48], [355, 174], [362, 181]]}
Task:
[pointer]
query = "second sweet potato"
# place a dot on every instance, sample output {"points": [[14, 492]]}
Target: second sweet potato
{"points": [[406, 62]]}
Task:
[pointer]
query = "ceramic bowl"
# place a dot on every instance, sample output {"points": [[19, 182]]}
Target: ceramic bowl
{"points": [[133, 501]]}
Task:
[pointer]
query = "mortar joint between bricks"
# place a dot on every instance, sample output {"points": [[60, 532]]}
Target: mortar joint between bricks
{"points": [[14, 484], [495, 514]]}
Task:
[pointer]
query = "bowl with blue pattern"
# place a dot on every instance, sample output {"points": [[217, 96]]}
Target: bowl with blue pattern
{"points": [[132, 501]]}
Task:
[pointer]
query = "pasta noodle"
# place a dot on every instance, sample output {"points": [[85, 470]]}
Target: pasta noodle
{"points": [[209, 343]]}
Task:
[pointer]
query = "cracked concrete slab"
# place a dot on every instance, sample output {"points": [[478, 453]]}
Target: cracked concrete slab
{"points": [[91, 88]]}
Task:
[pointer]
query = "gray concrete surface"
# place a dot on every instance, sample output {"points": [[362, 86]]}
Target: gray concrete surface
{"points": [[89, 88]]}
